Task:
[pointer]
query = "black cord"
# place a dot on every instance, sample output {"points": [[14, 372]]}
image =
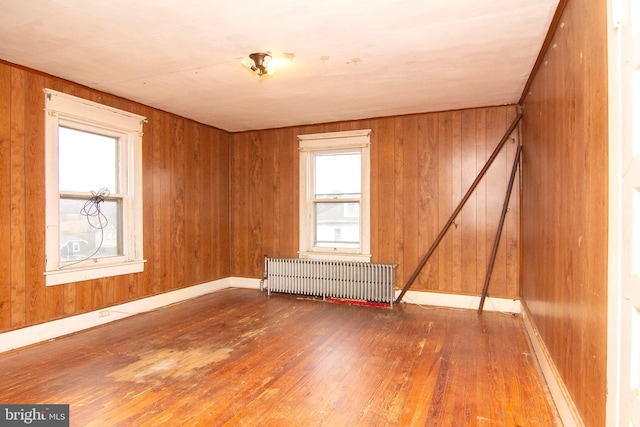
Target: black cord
{"points": [[96, 219], [91, 209]]}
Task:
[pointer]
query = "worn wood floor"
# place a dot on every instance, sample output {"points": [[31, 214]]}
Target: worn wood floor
{"points": [[240, 357]]}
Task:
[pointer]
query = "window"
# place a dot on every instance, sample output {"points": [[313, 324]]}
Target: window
{"points": [[93, 156], [352, 210], [334, 195]]}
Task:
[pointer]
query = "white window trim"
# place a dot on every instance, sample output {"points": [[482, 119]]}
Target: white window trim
{"points": [[60, 108], [310, 145]]}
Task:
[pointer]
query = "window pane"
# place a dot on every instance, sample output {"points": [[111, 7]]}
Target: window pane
{"points": [[87, 161], [337, 225], [337, 176], [81, 236]]}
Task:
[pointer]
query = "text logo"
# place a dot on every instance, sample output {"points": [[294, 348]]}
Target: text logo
{"points": [[34, 415]]}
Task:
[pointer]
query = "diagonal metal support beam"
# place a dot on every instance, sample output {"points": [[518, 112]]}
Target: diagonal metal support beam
{"points": [[505, 206]]}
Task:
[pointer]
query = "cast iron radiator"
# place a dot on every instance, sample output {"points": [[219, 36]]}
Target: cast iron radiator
{"points": [[331, 279]]}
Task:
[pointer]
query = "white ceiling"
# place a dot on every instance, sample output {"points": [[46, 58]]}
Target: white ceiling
{"points": [[351, 59]]}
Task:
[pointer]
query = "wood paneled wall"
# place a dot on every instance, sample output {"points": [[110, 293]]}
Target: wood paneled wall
{"points": [[186, 201], [564, 220], [421, 167]]}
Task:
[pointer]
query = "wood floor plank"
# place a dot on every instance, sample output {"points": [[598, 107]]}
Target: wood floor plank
{"points": [[241, 357]]}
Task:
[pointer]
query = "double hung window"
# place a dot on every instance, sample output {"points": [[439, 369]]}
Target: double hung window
{"points": [[93, 190], [334, 195]]}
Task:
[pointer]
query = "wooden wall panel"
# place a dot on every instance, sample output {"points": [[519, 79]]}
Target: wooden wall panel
{"points": [[256, 195], [34, 195], [270, 178], [212, 180], [456, 194], [5, 196], [408, 159], [240, 241], [428, 227], [177, 211], [445, 203], [468, 215], [383, 137], [564, 193], [421, 166], [185, 212], [193, 251], [140, 287], [161, 124], [197, 177], [18, 190], [483, 151], [219, 205]]}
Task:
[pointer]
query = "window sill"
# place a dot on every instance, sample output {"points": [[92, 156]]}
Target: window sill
{"points": [[60, 277], [334, 256]]}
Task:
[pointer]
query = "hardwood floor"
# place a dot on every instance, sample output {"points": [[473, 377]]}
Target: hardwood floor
{"points": [[240, 357]]}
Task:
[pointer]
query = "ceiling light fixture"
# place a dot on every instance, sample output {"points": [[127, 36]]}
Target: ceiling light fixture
{"points": [[260, 63]]}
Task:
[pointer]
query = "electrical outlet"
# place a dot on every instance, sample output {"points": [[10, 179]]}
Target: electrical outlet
{"points": [[104, 313]]}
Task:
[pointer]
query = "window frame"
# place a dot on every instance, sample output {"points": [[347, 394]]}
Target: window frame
{"points": [[311, 145], [77, 113]]}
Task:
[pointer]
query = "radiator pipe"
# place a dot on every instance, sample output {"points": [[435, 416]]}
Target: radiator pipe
{"points": [[455, 213], [505, 207], [265, 273]]}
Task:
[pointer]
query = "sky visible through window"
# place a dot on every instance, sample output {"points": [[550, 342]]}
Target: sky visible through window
{"points": [[338, 174], [87, 161]]}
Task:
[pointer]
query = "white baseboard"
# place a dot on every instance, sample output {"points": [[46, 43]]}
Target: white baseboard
{"points": [[57, 328], [567, 410], [245, 282], [503, 305]]}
